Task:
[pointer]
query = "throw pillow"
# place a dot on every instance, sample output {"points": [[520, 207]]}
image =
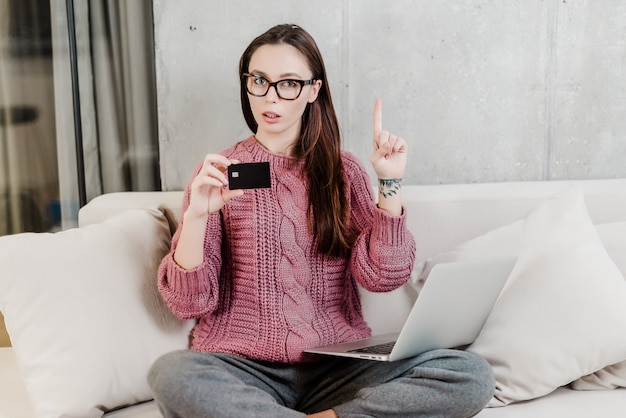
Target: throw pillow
{"points": [[558, 316], [84, 315], [506, 241], [613, 236], [611, 377]]}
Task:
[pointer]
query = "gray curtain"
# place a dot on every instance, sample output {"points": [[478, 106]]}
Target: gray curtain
{"points": [[124, 95], [117, 99]]}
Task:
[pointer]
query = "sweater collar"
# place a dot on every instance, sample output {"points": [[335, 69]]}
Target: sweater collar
{"points": [[260, 153]]}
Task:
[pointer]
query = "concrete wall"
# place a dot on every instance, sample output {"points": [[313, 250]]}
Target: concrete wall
{"points": [[482, 90]]}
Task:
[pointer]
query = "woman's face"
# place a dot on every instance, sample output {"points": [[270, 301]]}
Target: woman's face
{"points": [[279, 120]]}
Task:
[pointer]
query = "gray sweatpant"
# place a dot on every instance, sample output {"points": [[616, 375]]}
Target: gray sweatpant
{"points": [[439, 383]]}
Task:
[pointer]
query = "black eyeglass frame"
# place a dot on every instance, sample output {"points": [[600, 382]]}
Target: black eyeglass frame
{"points": [[275, 85]]}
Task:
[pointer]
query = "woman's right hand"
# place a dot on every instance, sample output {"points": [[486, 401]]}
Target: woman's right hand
{"points": [[209, 189], [208, 193]]}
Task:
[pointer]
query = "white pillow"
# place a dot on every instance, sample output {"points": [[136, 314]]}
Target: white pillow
{"points": [[611, 377], [613, 236], [84, 315], [562, 314], [506, 241]]}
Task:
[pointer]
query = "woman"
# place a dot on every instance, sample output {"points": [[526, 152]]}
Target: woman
{"points": [[271, 272]]}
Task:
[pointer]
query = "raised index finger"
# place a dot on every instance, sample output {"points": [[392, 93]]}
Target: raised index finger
{"points": [[378, 118]]}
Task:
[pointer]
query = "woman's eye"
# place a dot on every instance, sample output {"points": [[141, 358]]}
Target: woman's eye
{"points": [[260, 81], [288, 84]]}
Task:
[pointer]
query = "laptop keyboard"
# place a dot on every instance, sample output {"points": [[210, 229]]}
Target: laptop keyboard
{"points": [[377, 349]]}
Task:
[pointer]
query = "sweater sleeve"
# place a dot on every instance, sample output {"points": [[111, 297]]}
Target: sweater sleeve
{"points": [[193, 293], [384, 252]]}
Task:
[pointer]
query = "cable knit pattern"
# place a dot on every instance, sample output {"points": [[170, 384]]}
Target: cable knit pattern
{"points": [[263, 291]]}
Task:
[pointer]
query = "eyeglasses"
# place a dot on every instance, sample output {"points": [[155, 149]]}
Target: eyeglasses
{"points": [[285, 89]]}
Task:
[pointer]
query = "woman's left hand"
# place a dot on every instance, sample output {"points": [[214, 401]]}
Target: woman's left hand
{"points": [[390, 151]]}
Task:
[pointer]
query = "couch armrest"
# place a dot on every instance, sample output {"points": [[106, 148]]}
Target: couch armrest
{"points": [[110, 204]]}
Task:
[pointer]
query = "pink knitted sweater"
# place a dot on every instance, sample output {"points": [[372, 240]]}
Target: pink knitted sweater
{"points": [[262, 291]]}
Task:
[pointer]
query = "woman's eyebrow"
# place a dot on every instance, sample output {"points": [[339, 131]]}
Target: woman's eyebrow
{"points": [[282, 76], [291, 75]]}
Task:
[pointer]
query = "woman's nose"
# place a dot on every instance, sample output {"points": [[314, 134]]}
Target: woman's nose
{"points": [[272, 95]]}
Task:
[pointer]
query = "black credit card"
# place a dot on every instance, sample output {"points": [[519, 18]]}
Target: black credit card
{"points": [[249, 176]]}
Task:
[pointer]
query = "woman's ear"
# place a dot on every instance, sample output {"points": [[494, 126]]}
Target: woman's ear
{"points": [[315, 90]]}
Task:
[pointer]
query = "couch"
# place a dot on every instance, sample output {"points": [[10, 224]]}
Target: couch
{"points": [[86, 321]]}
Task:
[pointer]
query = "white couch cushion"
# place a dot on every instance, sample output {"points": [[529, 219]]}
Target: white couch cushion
{"points": [[565, 403], [84, 315], [558, 317]]}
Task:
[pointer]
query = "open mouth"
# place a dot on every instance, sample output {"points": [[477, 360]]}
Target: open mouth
{"points": [[271, 117]]}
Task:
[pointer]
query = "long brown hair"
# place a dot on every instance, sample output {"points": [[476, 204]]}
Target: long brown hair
{"points": [[319, 144]]}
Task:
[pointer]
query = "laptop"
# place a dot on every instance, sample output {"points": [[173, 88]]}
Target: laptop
{"points": [[450, 312]]}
